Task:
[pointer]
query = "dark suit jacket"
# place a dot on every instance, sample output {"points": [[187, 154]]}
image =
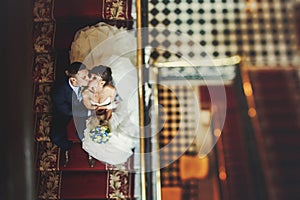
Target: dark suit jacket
{"points": [[65, 107], [65, 100]]}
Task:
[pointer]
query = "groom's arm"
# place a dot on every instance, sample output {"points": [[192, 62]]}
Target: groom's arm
{"points": [[66, 102], [61, 100]]}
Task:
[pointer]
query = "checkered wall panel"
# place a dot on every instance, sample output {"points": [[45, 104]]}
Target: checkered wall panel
{"points": [[261, 31], [178, 119]]}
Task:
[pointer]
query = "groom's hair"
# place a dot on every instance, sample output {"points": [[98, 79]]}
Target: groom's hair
{"points": [[104, 72], [73, 68]]}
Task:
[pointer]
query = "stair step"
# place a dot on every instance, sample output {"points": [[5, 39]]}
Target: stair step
{"points": [[87, 199], [78, 10], [78, 185], [275, 117], [274, 87], [280, 124], [279, 120], [288, 170], [282, 130], [96, 185], [275, 96], [275, 83], [272, 74], [286, 139], [287, 152], [235, 152], [285, 110], [271, 101], [131, 198], [78, 161]]}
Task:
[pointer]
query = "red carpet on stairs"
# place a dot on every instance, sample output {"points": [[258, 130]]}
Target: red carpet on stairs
{"points": [[276, 95], [55, 25], [84, 184], [233, 155], [78, 180], [78, 161]]}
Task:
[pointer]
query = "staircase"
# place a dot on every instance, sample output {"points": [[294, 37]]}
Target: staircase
{"points": [[78, 180], [233, 167], [277, 129], [261, 159], [55, 24]]}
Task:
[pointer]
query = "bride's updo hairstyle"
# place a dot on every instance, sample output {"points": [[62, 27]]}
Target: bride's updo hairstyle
{"points": [[104, 72]]}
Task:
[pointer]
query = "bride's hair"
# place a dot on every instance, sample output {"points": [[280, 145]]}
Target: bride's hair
{"points": [[104, 72]]}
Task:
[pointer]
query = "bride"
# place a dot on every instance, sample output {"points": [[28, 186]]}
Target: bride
{"points": [[110, 46], [111, 132], [100, 93]]}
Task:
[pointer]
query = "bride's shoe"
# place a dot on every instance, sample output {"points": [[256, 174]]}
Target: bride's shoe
{"points": [[92, 161]]}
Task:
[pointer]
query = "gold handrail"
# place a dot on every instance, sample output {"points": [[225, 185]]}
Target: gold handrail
{"points": [[233, 60], [139, 63]]}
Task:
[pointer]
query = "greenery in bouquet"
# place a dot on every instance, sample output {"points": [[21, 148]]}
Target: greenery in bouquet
{"points": [[100, 134]]}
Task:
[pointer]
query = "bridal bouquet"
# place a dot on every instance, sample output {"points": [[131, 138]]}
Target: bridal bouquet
{"points": [[100, 134]]}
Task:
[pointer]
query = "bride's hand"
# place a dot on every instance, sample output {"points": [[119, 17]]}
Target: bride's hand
{"points": [[100, 108], [101, 112], [111, 106], [108, 114]]}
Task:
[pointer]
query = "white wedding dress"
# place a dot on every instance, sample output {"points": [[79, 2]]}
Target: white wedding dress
{"points": [[91, 47], [119, 147], [125, 118]]}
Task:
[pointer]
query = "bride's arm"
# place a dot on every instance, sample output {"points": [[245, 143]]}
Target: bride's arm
{"points": [[87, 98], [109, 92], [112, 98]]}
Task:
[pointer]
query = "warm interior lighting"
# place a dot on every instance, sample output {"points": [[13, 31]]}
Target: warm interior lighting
{"points": [[252, 112], [251, 5], [217, 132], [222, 175], [247, 89], [193, 167], [171, 193]]}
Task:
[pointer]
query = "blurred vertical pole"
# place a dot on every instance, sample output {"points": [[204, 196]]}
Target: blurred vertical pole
{"points": [[148, 140], [155, 100], [16, 148], [139, 62]]}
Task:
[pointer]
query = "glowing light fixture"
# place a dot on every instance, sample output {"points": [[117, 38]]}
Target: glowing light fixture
{"points": [[252, 112], [247, 89]]}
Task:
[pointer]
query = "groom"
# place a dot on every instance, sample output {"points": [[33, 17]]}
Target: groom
{"points": [[67, 104]]}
